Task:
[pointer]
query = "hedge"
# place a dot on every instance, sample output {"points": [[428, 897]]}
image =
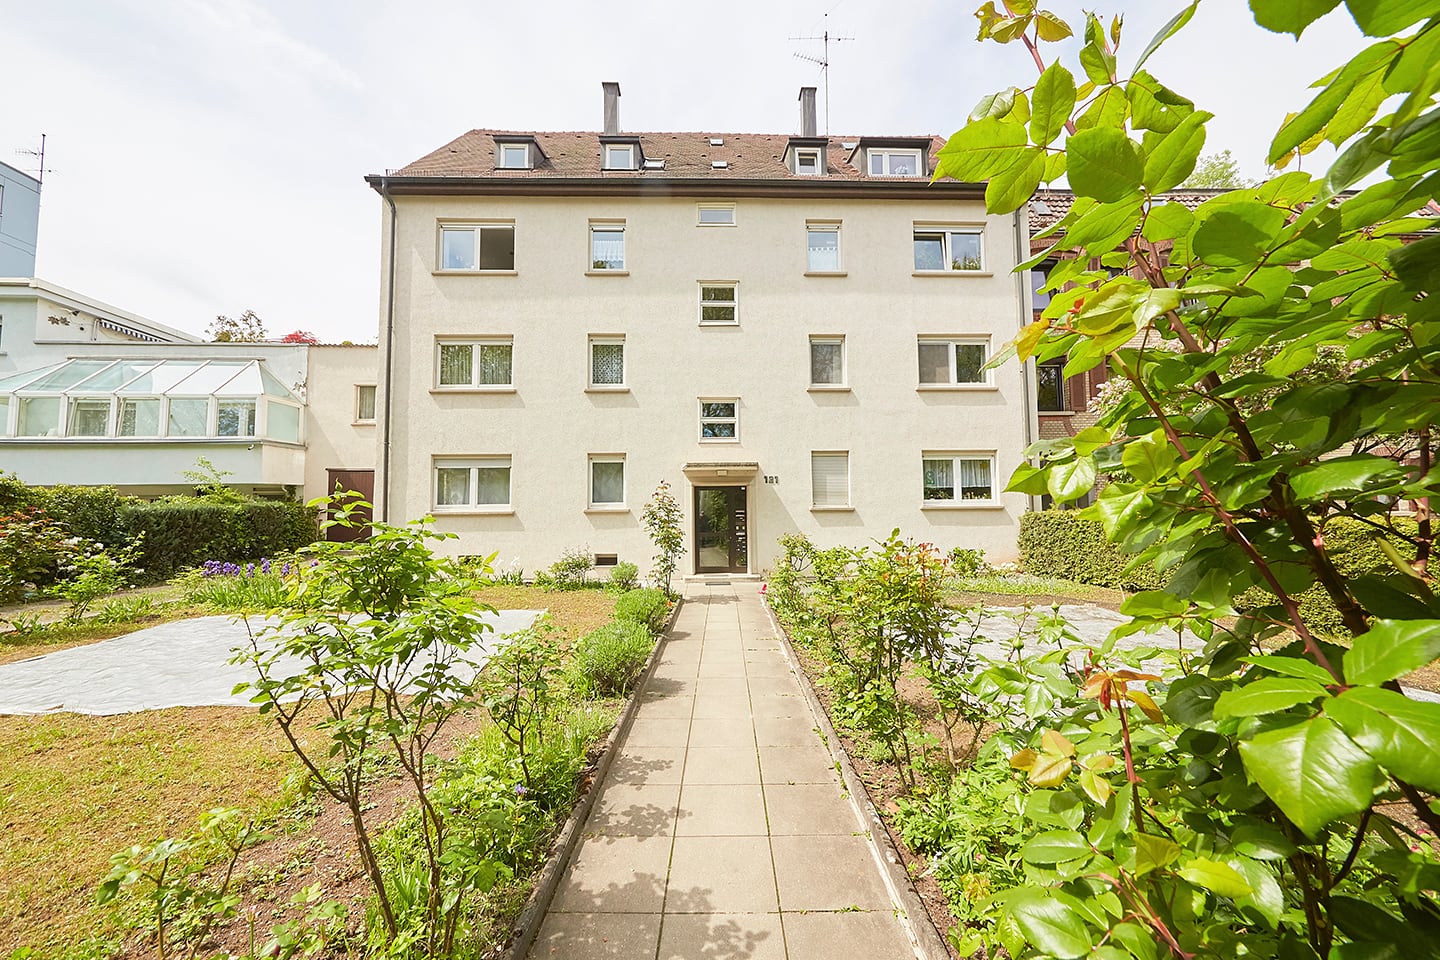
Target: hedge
{"points": [[648, 606], [1059, 543]]}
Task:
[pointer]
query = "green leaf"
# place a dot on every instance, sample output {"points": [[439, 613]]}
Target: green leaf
{"points": [[1290, 16], [1105, 164], [1097, 66], [1154, 853], [1390, 649], [1418, 264], [1312, 771], [1071, 479], [1265, 894], [1149, 460], [1050, 27], [1106, 226], [1051, 103], [1011, 187], [1216, 877], [1380, 18], [1048, 921], [1171, 28], [1055, 846], [1269, 695], [982, 149], [1090, 439], [1237, 234], [1174, 159], [995, 105], [1292, 667], [1166, 222], [1153, 603], [1341, 475], [1398, 732]]}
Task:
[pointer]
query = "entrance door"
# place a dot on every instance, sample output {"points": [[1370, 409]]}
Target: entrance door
{"points": [[722, 543], [361, 482]]}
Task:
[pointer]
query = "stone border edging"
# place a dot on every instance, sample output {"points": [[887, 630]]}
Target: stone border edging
{"points": [[527, 927], [927, 940]]}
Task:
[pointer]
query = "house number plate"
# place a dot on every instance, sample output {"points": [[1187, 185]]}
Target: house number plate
{"points": [[772, 478]]}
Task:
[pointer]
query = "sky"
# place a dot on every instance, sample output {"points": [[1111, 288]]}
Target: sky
{"points": [[206, 157]]}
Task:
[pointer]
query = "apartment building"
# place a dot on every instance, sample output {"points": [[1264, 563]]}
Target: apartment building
{"points": [[790, 330]]}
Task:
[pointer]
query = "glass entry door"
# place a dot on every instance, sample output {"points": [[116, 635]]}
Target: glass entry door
{"points": [[721, 537]]}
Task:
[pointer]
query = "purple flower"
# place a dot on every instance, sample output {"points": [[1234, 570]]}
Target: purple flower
{"points": [[249, 569], [285, 569], [264, 565], [521, 790]]}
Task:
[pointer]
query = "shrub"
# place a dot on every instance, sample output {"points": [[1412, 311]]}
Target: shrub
{"points": [[33, 549], [648, 607], [94, 573], [967, 562], [89, 512], [608, 660], [624, 576], [185, 532], [1059, 543], [570, 571]]}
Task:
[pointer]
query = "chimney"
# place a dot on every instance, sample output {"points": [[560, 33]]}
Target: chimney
{"points": [[612, 108], [807, 111]]}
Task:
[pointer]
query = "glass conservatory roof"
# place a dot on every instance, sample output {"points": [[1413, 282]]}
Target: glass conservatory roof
{"points": [[150, 377]]}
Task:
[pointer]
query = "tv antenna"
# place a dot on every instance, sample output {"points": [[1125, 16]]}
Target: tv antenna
{"points": [[39, 156], [825, 38]]}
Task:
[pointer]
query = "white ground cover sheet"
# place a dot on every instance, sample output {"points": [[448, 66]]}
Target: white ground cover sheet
{"points": [[181, 664]]}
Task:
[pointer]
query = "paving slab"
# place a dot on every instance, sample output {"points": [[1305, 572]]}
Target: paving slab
{"points": [[185, 663], [722, 936]]}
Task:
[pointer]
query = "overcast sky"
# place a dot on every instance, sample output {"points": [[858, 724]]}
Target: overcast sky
{"points": [[206, 156]]}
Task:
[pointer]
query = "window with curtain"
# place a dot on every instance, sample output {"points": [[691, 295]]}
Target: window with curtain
{"points": [[830, 479], [823, 248], [365, 401], [475, 364], [607, 482], [827, 361], [476, 484], [607, 246], [957, 477], [607, 361]]}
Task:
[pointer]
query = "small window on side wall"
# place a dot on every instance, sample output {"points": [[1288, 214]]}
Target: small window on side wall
{"points": [[476, 364], [827, 361], [607, 246], [715, 215], [830, 479], [365, 402], [822, 248]]}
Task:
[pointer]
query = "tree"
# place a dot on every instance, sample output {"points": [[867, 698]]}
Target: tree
{"points": [[662, 519], [299, 336], [1217, 171], [246, 328], [1273, 729]]}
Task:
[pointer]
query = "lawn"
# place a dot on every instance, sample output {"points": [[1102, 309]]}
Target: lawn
{"points": [[77, 789]]}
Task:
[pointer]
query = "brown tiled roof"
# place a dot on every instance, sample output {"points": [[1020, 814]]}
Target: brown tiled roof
{"points": [[749, 156]]}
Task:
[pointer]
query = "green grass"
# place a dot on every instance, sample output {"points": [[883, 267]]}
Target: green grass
{"points": [[1031, 585]]}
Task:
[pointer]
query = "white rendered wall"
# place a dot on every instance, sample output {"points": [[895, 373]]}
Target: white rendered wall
{"points": [[334, 439]]}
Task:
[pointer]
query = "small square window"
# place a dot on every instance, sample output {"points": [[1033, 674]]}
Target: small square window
{"points": [[953, 362], [607, 481], [958, 477], [827, 361], [480, 483], [475, 364], [939, 249], [514, 156], [719, 304], [469, 249], [807, 163], [607, 362], [719, 419], [896, 163], [619, 156], [830, 479], [715, 214], [365, 401], [607, 246], [822, 248]]}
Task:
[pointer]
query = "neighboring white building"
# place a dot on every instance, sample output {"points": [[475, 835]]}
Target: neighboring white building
{"points": [[790, 330]]}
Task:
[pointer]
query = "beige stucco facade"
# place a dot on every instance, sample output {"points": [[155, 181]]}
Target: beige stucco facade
{"points": [[337, 436], [548, 423]]}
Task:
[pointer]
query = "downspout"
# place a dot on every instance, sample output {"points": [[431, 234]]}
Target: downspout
{"points": [[389, 354], [1027, 315]]}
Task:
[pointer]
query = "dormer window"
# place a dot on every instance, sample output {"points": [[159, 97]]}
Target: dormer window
{"points": [[896, 163], [513, 156], [807, 163], [619, 156]]}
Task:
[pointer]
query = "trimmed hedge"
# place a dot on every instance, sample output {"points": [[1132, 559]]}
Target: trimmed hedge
{"points": [[648, 607], [1058, 543]]}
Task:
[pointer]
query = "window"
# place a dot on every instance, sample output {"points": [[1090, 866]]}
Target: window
{"points": [[807, 163], [477, 364], [953, 362], [827, 361], [822, 246], [139, 418], [39, 417], [715, 215], [1038, 278], [719, 303], [607, 246], [607, 362], [896, 163], [477, 248], [719, 420], [235, 418], [1050, 385], [958, 477], [619, 156], [478, 484], [607, 481], [830, 479], [88, 418], [188, 417], [514, 156], [943, 249], [365, 401]]}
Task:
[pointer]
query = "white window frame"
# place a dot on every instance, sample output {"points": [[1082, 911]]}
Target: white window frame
{"points": [[607, 226], [701, 209], [476, 229], [474, 386], [986, 381], [703, 420], [831, 455], [955, 457], [505, 151], [360, 388], [733, 303], [72, 402], [947, 231], [608, 150], [824, 226], [606, 339], [473, 464], [814, 154], [887, 157], [602, 506], [839, 339]]}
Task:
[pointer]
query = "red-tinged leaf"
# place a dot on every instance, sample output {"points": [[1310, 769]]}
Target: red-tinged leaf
{"points": [[1146, 704], [1050, 770]]}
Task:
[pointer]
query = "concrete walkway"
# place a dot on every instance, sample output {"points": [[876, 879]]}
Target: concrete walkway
{"points": [[722, 830]]}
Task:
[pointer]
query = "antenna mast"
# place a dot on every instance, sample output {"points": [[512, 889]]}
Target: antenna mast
{"points": [[40, 157], [824, 62]]}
